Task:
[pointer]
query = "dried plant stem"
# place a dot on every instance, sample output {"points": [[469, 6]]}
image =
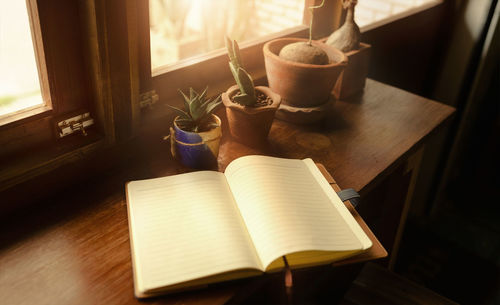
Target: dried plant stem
{"points": [[311, 9]]}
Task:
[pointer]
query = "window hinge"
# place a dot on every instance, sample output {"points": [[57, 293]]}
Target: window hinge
{"points": [[147, 99], [74, 124]]}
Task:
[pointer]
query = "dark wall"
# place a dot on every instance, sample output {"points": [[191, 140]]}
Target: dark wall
{"points": [[436, 54], [451, 242], [407, 53]]}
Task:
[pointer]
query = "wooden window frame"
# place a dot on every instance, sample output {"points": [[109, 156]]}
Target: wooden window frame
{"points": [[58, 48], [108, 69]]}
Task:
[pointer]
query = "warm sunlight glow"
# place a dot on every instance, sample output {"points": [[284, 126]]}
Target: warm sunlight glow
{"points": [[185, 28], [19, 84]]}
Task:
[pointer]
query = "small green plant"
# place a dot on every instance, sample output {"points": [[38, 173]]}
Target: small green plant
{"points": [[198, 110], [247, 96]]}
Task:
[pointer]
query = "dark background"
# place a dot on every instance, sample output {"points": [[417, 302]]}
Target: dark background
{"points": [[450, 53]]}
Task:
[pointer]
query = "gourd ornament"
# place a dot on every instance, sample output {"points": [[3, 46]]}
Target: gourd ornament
{"points": [[347, 37], [347, 40]]}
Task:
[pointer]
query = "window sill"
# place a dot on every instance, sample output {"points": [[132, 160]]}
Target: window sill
{"points": [[20, 117], [25, 167]]}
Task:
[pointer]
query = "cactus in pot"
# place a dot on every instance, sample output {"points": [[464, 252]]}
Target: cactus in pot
{"points": [[197, 131], [250, 110], [197, 116], [247, 96]]}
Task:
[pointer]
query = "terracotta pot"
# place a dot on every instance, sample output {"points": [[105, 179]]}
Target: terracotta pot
{"points": [[250, 125], [353, 79], [197, 149], [302, 85]]}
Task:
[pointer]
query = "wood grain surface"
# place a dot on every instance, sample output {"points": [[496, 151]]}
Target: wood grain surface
{"points": [[362, 138], [377, 285], [74, 248]]}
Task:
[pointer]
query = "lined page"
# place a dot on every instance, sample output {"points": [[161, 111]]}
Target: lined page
{"points": [[285, 209], [185, 227]]}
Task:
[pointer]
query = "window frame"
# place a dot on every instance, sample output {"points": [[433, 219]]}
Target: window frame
{"points": [[56, 56], [19, 117], [109, 89]]}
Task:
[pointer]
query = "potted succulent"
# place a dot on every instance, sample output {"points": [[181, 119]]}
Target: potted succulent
{"points": [[303, 72], [250, 110], [197, 131], [347, 39]]}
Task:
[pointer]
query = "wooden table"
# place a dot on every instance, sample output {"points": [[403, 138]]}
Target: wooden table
{"points": [[75, 249]]}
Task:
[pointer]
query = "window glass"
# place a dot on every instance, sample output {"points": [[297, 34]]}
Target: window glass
{"points": [[184, 28], [19, 84], [371, 11]]}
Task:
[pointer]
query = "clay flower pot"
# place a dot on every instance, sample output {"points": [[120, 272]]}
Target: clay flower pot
{"points": [[302, 85], [250, 125], [353, 79], [196, 149]]}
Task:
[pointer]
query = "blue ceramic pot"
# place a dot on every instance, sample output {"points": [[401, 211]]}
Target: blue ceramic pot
{"points": [[198, 149]]}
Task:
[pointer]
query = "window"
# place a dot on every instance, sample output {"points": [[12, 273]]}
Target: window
{"points": [[181, 29], [170, 62], [72, 63], [19, 84], [374, 13], [59, 49]]}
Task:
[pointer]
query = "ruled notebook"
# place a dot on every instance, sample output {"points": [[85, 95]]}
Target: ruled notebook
{"points": [[203, 227]]}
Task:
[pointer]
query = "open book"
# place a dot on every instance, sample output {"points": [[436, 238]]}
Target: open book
{"points": [[203, 227]]}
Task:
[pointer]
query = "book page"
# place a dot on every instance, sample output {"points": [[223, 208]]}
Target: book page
{"points": [[185, 227], [286, 210]]}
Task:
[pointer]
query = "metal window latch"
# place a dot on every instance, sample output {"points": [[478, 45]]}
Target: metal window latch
{"points": [[74, 124], [148, 99]]}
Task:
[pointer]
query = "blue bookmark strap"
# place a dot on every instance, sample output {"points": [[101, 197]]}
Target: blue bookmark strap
{"points": [[350, 194]]}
